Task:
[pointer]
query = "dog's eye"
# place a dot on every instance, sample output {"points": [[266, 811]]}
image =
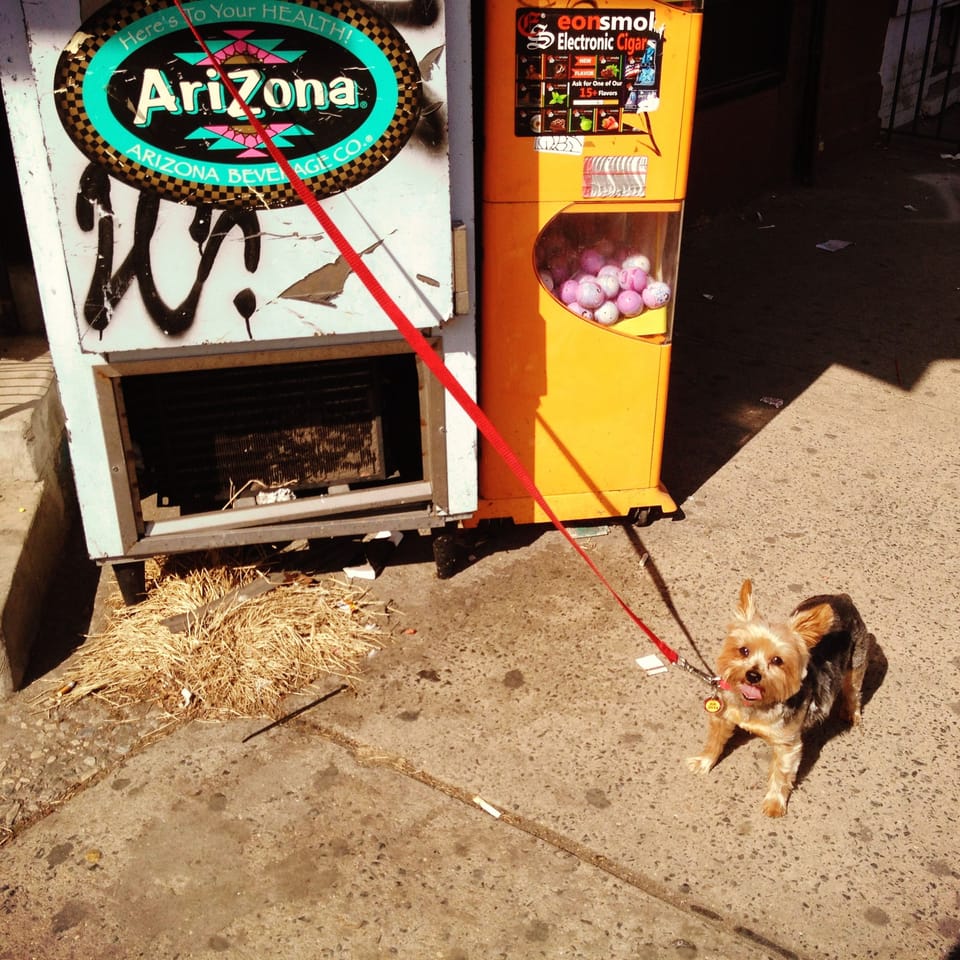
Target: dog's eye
{"points": [[744, 651], [777, 661]]}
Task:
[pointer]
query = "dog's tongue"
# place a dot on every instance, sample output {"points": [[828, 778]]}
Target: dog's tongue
{"points": [[750, 693]]}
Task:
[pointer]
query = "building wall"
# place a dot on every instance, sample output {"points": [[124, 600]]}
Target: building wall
{"points": [[913, 36], [819, 100]]}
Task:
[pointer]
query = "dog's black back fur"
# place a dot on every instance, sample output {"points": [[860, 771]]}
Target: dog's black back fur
{"points": [[845, 646]]}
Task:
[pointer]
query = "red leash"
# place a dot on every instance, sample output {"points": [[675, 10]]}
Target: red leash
{"points": [[424, 351]]}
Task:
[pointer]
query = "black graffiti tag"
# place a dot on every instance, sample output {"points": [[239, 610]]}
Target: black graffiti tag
{"points": [[108, 286]]}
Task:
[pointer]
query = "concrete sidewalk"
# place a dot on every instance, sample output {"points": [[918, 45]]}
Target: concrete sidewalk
{"points": [[353, 830]]}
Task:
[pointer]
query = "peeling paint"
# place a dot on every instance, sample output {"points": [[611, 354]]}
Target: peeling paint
{"points": [[77, 41], [323, 286]]}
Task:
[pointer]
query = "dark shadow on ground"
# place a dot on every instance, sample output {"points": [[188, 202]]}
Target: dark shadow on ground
{"points": [[762, 312], [816, 739], [68, 607]]}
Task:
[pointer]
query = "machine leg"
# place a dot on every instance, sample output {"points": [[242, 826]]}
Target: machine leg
{"points": [[445, 551], [132, 580], [644, 516]]}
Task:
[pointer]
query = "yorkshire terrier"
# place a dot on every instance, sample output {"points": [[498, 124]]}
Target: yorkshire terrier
{"points": [[779, 679]]}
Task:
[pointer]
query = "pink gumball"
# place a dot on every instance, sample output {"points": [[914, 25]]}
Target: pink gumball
{"points": [[633, 278], [630, 303], [607, 313], [569, 291], [609, 270], [591, 260], [580, 311], [559, 270], [590, 295], [609, 284], [636, 260], [546, 279], [656, 294]]}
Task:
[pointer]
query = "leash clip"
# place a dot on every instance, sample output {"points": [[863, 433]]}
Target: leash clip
{"points": [[707, 678], [714, 703]]}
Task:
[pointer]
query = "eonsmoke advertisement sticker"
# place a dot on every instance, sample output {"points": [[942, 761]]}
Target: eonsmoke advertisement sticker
{"points": [[582, 71]]}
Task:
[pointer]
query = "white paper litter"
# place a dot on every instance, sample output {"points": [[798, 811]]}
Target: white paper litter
{"points": [[371, 570], [394, 536], [651, 664], [832, 246]]}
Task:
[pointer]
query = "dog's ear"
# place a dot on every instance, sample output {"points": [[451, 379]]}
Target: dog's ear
{"points": [[813, 623], [746, 608]]}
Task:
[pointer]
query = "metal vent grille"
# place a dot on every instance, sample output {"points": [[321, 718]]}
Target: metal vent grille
{"points": [[201, 435]]}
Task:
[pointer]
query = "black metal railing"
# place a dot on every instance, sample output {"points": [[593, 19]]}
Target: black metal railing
{"points": [[928, 117]]}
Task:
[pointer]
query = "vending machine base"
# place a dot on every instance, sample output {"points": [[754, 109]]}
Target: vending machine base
{"points": [[588, 424]]}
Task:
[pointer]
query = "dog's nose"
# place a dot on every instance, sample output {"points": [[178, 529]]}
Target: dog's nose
{"points": [[753, 676]]}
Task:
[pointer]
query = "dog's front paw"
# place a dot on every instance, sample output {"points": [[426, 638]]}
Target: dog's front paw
{"points": [[774, 807], [701, 764]]}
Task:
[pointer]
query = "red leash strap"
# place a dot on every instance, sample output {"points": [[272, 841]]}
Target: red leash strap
{"points": [[415, 338]]}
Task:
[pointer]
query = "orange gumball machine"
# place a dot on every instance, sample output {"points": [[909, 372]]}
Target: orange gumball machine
{"points": [[587, 121]]}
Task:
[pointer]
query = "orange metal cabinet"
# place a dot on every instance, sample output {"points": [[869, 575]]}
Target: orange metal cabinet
{"points": [[587, 124]]}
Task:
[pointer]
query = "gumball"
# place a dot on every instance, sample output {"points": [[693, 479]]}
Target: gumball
{"points": [[580, 311], [607, 313], [609, 269], [590, 295], [633, 278], [569, 290], [546, 279], [656, 294], [609, 284], [630, 303], [636, 260], [592, 260], [559, 269]]}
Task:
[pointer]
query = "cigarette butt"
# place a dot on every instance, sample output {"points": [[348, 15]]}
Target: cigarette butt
{"points": [[487, 808], [66, 688]]}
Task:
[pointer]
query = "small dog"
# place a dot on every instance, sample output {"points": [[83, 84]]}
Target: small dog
{"points": [[780, 679]]}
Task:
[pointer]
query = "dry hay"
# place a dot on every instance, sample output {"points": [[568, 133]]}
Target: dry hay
{"points": [[233, 659]]}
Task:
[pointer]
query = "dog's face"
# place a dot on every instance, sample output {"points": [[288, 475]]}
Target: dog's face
{"points": [[764, 663]]}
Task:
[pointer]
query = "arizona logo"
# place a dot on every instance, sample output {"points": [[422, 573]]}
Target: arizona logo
{"points": [[334, 85]]}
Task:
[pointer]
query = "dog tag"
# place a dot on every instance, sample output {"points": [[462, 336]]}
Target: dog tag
{"points": [[713, 704]]}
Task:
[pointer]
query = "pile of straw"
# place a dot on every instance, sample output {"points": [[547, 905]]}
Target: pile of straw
{"points": [[233, 659]]}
